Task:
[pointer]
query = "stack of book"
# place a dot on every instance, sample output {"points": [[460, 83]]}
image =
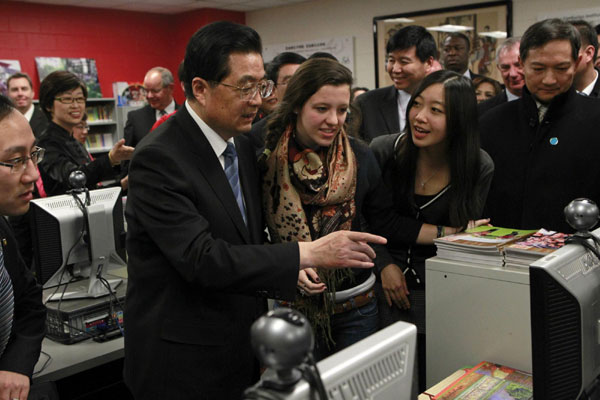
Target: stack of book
{"points": [[484, 381], [481, 245], [521, 254]]}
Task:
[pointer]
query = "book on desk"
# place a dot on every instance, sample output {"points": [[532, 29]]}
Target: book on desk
{"points": [[486, 380]]}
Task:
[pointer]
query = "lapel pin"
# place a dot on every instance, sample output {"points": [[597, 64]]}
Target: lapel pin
{"points": [[553, 141]]}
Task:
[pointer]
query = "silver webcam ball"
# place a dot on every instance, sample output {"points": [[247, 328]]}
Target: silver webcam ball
{"points": [[77, 179], [582, 214], [282, 340]]}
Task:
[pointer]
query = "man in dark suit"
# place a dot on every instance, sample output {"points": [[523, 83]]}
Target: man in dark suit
{"points": [[545, 144], [410, 55], [20, 91], [279, 70], [199, 273], [586, 77], [507, 62], [456, 50], [158, 83], [22, 314]]}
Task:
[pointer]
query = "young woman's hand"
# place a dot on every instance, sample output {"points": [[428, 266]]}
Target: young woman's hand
{"points": [[394, 287], [309, 282]]}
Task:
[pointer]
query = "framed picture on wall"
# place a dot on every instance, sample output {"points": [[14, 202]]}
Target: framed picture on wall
{"points": [[486, 25]]}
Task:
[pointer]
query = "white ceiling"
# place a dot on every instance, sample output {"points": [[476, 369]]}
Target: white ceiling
{"points": [[172, 6]]}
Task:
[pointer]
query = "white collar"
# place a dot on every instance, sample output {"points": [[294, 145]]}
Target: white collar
{"points": [[29, 113], [511, 96], [168, 109], [588, 89], [216, 142]]}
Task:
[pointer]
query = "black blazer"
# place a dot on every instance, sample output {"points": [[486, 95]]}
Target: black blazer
{"points": [[197, 279], [38, 121], [139, 122], [29, 321], [541, 167], [379, 112], [487, 105]]}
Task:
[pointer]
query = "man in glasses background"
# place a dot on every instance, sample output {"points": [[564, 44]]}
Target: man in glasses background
{"points": [[199, 273], [22, 314], [158, 84]]}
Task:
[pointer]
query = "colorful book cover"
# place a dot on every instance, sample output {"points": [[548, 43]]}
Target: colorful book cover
{"points": [[491, 382], [486, 236], [541, 243]]}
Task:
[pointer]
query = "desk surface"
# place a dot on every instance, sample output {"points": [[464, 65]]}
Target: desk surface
{"points": [[71, 359]]}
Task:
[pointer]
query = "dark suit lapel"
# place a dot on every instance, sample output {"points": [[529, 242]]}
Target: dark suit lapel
{"points": [[596, 90], [250, 186], [210, 167], [389, 110]]}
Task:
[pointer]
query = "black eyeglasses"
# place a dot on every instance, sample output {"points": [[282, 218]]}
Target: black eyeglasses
{"points": [[265, 88], [70, 100], [20, 164]]}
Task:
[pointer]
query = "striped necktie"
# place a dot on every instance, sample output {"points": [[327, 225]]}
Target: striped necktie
{"points": [[231, 172], [7, 304]]}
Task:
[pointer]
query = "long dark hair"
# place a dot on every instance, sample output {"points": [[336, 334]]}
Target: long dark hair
{"points": [[306, 81], [462, 134]]}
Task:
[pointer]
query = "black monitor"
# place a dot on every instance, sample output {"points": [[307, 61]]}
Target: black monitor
{"points": [[565, 323], [65, 251]]}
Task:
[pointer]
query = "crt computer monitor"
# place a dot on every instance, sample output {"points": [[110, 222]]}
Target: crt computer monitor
{"points": [[565, 323], [62, 254], [379, 367]]}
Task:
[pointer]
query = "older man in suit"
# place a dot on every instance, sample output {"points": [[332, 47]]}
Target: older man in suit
{"points": [[511, 70], [158, 83], [22, 314], [410, 56], [20, 91], [199, 273]]}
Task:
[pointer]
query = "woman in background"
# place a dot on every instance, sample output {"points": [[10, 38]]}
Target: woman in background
{"points": [[62, 98], [317, 179], [439, 178], [486, 88]]}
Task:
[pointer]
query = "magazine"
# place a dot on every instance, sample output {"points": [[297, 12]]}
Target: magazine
{"points": [[489, 381]]}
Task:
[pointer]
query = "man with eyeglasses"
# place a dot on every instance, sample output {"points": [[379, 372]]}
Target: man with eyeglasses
{"points": [[158, 85], [279, 70], [22, 314], [199, 273]]}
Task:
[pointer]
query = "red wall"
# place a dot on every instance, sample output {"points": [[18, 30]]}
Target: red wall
{"points": [[125, 44]]}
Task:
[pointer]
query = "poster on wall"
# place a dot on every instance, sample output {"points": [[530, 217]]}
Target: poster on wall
{"points": [[342, 48], [591, 15], [84, 68], [485, 24], [7, 68]]}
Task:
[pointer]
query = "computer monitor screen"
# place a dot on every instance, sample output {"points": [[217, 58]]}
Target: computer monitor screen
{"points": [[64, 250], [379, 367], [565, 320]]}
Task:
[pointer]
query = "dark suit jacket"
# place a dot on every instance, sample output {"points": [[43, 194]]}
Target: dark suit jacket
{"points": [[38, 121], [487, 105], [379, 112], [29, 321], [197, 279], [596, 90], [257, 134], [541, 167], [139, 122]]}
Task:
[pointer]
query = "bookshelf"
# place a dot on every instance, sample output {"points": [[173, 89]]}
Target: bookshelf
{"points": [[104, 131]]}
